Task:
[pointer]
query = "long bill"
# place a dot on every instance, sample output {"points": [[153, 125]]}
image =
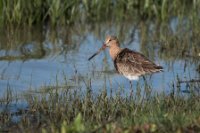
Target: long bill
{"points": [[101, 49]]}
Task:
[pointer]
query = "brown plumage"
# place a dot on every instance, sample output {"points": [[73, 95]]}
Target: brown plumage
{"points": [[129, 63], [132, 63]]}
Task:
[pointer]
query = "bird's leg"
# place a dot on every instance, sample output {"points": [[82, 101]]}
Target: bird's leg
{"points": [[146, 87], [131, 89], [145, 81]]}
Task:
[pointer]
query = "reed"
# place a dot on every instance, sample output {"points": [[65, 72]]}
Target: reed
{"points": [[67, 12]]}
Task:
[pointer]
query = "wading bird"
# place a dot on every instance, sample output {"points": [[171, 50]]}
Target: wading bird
{"points": [[129, 63]]}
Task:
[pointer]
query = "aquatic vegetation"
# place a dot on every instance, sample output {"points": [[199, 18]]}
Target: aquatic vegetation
{"points": [[59, 12], [72, 110]]}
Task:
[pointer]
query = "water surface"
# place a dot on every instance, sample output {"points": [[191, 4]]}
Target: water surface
{"points": [[30, 61]]}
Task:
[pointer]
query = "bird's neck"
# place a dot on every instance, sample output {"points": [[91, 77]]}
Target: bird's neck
{"points": [[114, 51]]}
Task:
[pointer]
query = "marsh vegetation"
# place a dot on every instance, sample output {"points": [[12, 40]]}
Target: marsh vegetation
{"points": [[47, 84]]}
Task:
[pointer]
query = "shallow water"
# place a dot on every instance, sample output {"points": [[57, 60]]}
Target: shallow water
{"points": [[58, 58]]}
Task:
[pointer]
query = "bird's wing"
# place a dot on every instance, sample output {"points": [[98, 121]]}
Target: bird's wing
{"points": [[134, 63]]}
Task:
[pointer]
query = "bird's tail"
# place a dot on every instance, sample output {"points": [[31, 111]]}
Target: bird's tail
{"points": [[159, 69]]}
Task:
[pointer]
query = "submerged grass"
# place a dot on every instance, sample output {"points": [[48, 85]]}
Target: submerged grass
{"points": [[74, 111]]}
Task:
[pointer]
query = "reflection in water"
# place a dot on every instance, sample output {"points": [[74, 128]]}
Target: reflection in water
{"points": [[31, 58]]}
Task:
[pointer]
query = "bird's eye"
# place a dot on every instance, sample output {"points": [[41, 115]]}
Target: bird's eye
{"points": [[109, 40]]}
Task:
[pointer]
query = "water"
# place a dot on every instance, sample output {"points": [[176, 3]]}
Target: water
{"points": [[58, 58]]}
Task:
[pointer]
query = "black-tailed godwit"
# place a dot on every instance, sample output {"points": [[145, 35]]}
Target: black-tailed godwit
{"points": [[129, 63]]}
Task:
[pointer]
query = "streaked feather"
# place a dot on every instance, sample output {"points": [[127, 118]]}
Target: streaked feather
{"points": [[133, 63]]}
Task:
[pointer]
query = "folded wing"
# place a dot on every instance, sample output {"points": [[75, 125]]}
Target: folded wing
{"points": [[134, 64]]}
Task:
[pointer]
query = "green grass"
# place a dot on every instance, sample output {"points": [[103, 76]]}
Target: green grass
{"points": [[69, 12], [71, 110]]}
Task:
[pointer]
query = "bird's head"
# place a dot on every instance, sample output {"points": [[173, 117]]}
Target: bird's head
{"points": [[110, 41]]}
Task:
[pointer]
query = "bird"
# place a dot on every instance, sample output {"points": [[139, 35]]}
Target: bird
{"points": [[129, 63]]}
